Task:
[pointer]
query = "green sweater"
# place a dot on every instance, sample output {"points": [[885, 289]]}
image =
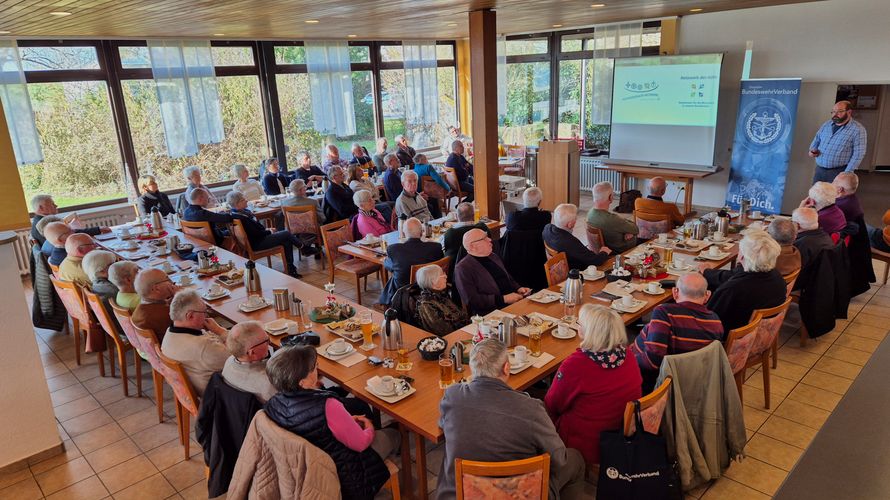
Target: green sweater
{"points": [[614, 227]]}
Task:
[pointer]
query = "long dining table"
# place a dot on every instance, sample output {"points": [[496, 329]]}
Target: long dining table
{"points": [[418, 413]]}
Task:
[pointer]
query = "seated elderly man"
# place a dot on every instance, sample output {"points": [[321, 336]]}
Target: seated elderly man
{"points": [[559, 237], [57, 234], [620, 234], [401, 256], [452, 240], [488, 421], [454, 134], [757, 286], [404, 152], [196, 211], [463, 169], [412, 203], [436, 312], [155, 291], [274, 180], [193, 176], [362, 158], [332, 159], [784, 232], [846, 184], [307, 171], [47, 248], [392, 176], [422, 167], [682, 326], [250, 188], [122, 274], [259, 237], [195, 339], [77, 246], [245, 369], [298, 198], [481, 279], [812, 239], [95, 264], [338, 204], [530, 218], [43, 205], [655, 204], [823, 197]]}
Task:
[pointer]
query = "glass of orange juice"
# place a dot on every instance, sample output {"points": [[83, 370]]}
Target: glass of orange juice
{"points": [[446, 371], [367, 325]]}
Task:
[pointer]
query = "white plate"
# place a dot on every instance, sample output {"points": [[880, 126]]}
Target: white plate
{"points": [[349, 350], [545, 297], [593, 277], [246, 308], [556, 335], [277, 325], [638, 304], [221, 294], [514, 369], [708, 256]]}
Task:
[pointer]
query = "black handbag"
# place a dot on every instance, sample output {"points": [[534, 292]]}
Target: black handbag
{"points": [[634, 467]]}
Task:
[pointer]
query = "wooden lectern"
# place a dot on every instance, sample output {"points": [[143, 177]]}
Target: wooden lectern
{"points": [[559, 173]]}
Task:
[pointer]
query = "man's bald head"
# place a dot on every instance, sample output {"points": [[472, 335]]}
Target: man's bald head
{"points": [[477, 243], [79, 244], [413, 228], [146, 281], [57, 233], [657, 186], [692, 287]]}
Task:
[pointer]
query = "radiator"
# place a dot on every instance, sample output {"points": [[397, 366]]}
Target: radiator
{"points": [[591, 175]]}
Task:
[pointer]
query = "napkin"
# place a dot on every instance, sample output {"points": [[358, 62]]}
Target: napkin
{"points": [[542, 360]]}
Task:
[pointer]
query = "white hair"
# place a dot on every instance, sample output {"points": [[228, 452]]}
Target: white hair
{"points": [[563, 214], [782, 230], [399, 138], [601, 329], [601, 191], [238, 168], [146, 280], [379, 145], [388, 157], [243, 336], [46, 220], [805, 217], [295, 186], [487, 358], [190, 171], [532, 197], [413, 228], [145, 180], [824, 194], [235, 197], [335, 170], [409, 174], [183, 302], [427, 276], [849, 180], [96, 263], [361, 196], [759, 251], [121, 272], [39, 200], [196, 194]]}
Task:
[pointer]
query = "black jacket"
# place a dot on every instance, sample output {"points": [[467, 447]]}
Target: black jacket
{"points": [[256, 232], [338, 204], [406, 157], [528, 219], [47, 309], [861, 269], [302, 412], [742, 293], [223, 420], [399, 259], [158, 199], [524, 256], [578, 255], [194, 213], [825, 290], [810, 243]]}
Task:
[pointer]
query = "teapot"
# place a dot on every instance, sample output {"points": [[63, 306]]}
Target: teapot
{"points": [[507, 332], [391, 330], [572, 289]]}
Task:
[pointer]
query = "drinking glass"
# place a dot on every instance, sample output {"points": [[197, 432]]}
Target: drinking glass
{"points": [[403, 364], [446, 371], [569, 311], [534, 341], [477, 213], [668, 256], [364, 320], [306, 312]]}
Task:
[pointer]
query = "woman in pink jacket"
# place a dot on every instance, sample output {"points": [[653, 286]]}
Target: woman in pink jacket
{"points": [[369, 220]]}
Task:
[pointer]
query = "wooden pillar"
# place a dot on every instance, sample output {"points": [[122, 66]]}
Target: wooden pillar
{"points": [[669, 34], [465, 105], [13, 208], [484, 90]]}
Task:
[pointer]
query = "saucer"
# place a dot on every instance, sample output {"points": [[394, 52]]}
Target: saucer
{"points": [[516, 368], [245, 307], [571, 335], [545, 297], [619, 306], [379, 392], [759, 217], [659, 292], [709, 256], [209, 296], [278, 325], [349, 350]]}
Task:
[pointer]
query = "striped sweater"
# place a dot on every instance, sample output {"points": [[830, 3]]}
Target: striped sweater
{"points": [[675, 329]]}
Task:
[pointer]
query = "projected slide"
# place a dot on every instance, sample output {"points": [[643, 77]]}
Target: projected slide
{"points": [[664, 109]]}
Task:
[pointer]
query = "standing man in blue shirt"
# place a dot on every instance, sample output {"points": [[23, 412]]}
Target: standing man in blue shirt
{"points": [[839, 145]]}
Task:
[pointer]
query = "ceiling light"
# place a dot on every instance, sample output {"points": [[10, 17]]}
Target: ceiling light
{"points": [[696, 10], [312, 21], [4, 32], [219, 34], [451, 25], [351, 36], [557, 26], [598, 5], [59, 13]]}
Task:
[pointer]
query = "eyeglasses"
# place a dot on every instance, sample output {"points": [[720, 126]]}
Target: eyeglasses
{"points": [[839, 112], [267, 341], [165, 280], [91, 245], [204, 311], [480, 239]]}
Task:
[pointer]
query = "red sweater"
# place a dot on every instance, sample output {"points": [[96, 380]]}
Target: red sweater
{"points": [[586, 398]]}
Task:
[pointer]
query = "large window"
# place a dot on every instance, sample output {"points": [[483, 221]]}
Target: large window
{"points": [[527, 120]]}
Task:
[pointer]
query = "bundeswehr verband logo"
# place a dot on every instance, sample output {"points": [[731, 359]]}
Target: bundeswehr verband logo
{"points": [[766, 126]]}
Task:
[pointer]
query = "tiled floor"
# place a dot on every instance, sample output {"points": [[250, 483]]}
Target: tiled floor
{"points": [[115, 447]]}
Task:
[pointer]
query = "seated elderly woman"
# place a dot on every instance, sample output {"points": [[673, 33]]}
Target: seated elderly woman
{"points": [[95, 265], [122, 274], [250, 188], [77, 246], [152, 197], [757, 286], [355, 177], [784, 232], [46, 248], [369, 220], [594, 383], [303, 407], [193, 175], [822, 197], [481, 279], [436, 312], [56, 233]]}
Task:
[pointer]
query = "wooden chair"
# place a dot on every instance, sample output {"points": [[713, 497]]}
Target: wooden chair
{"points": [[187, 402], [120, 341], [882, 257], [149, 341], [81, 321], [556, 268], [124, 319], [451, 179], [200, 230], [241, 237], [790, 279], [652, 224], [551, 252], [429, 186], [53, 269], [302, 220], [738, 349], [444, 263], [595, 239], [767, 338], [652, 408], [520, 152], [517, 479], [337, 234]]}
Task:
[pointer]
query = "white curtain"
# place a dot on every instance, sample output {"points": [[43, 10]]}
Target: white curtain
{"points": [[421, 83], [502, 75], [17, 106], [609, 42], [330, 85], [188, 94]]}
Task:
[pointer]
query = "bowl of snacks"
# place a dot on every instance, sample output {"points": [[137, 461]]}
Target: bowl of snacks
{"points": [[331, 312], [618, 274], [431, 348]]}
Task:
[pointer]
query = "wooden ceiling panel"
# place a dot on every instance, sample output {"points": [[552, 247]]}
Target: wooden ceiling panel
{"points": [[285, 19]]}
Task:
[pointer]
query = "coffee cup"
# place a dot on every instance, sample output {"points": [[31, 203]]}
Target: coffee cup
{"points": [[387, 384], [338, 346], [132, 245], [167, 267], [563, 330], [714, 251], [185, 280], [520, 354], [125, 231], [718, 236], [627, 301], [254, 300], [677, 262], [215, 289], [292, 328], [485, 329], [653, 287], [662, 237], [755, 214]]}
